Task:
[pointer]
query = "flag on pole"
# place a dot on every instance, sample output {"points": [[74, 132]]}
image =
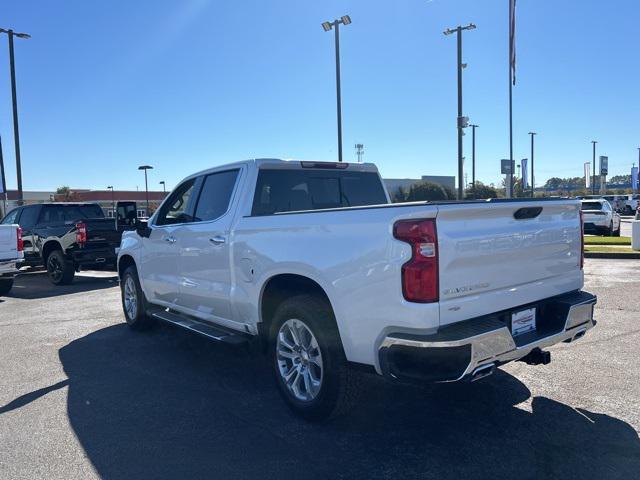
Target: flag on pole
{"points": [[512, 39], [587, 175], [525, 172], [634, 178], [3, 186]]}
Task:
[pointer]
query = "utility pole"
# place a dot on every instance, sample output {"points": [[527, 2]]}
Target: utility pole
{"points": [[473, 158], [533, 184], [344, 20], [593, 180], [462, 121], [146, 185], [14, 98], [113, 201], [359, 151]]}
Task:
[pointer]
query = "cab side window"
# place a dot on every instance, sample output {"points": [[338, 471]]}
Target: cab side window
{"points": [[177, 207], [11, 217]]}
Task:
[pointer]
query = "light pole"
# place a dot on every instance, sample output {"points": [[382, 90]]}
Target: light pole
{"points": [[164, 187], [462, 121], [533, 134], [344, 20], [113, 201], [16, 134], [146, 185], [473, 158], [593, 180]]}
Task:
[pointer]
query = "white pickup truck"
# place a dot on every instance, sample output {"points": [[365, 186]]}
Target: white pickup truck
{"points": [[311, 261], [11, 255]]}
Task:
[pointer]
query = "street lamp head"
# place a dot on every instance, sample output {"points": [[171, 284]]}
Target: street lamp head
{"points": [[448, 31], [345, 19], [110, 187], [594, 141], [532, 133], [162, 182], [22, 35], [326, 26], [145, 167], [471, 26]]}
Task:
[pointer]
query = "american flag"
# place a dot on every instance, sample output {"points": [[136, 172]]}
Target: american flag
{"points": [[512, 39]]}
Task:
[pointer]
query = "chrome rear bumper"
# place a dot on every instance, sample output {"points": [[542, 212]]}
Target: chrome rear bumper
{"points": [[465, 349]]}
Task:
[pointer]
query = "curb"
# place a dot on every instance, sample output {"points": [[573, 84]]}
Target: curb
{"points": [[628, 256]]}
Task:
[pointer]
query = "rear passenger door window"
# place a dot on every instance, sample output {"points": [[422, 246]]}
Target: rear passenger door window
{"points": [[215, 195]]}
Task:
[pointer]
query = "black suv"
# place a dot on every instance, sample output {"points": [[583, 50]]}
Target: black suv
{"points": [[65, 237]]}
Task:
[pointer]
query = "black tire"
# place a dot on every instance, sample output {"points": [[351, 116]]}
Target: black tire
{"points": [[61, 271], [617, 232], [135, 316], [609, 231], [339, 384], [5, 285]]}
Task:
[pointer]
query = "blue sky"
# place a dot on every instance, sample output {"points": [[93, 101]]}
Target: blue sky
{"points": [[185, 85]]}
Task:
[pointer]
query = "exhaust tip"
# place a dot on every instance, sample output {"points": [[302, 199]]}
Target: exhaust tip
{"points": [[483, 371]]}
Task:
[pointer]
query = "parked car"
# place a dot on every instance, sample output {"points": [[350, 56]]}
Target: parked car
{"points": [[599, 217], [11, 255], [65, 237], [310, 261], [630, 204]]}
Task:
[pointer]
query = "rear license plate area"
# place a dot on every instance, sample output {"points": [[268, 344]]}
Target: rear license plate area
{"points": [[523, 321]]}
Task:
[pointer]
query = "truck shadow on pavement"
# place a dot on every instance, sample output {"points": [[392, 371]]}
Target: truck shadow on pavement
{"points": [[165, 404], [36, 285]]}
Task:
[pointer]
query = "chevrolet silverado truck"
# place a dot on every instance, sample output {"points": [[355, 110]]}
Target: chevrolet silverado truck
{"points": [[310, 261], [65, 237], [11, 256]]}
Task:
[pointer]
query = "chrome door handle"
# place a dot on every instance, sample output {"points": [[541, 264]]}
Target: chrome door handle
{"points": [[217, 240], [171, 240]]}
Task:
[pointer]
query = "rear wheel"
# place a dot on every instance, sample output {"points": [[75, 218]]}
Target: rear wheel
{"points": [[309, 364], [5, 285], [609, 231], [134, 304], [61, 271]]}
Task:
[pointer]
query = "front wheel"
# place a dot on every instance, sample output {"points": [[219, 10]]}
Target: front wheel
{"points": [[6, 284], [133, 301], [309, 364]]}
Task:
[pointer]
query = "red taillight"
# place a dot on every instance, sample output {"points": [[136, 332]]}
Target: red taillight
{"points": [[420, 273], [19, 241], [581, 240], [81, 234]]}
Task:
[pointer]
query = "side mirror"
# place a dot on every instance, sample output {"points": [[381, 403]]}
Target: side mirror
{"points": [[142, 228]]}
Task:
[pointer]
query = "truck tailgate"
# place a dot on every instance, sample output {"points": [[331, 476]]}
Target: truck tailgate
{"points": [[8, 242], [496, 256], [102, 233]]}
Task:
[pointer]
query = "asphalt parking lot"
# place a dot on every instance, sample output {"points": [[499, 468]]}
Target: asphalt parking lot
{"points": [[81, 396]]}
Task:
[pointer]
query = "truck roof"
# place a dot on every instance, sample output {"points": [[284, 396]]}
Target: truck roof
{"points": [[277, 163]]}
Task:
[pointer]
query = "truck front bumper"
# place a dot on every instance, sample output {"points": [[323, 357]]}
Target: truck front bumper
{"points": [[466, 349]]}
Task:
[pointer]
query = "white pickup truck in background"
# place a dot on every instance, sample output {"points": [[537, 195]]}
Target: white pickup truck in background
{"points": [[11, 255], [311, 260]]}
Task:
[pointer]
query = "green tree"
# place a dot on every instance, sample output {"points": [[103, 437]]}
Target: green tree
{"points": [[481, 191], [429, 191]]}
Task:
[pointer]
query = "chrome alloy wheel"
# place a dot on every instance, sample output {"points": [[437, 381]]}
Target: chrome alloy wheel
{"points": [[299, 360], [130, 298]]}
